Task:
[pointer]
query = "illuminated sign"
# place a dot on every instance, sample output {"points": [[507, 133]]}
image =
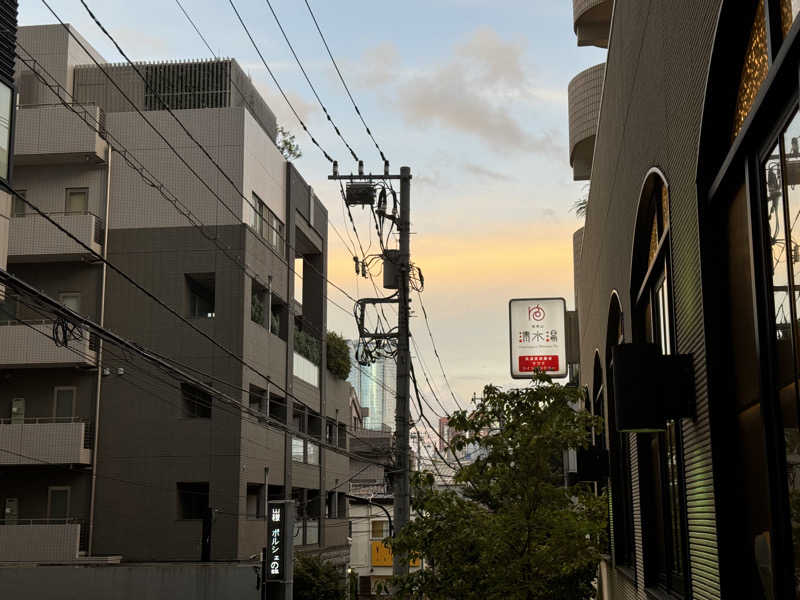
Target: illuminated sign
{"points": [[277, 544], [537, 329], [382, 555]]}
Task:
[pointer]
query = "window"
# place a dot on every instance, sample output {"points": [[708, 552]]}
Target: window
{"points": [[661, 488], [782, 218], [255, 500], [298, 449], [258, 303], [58, 502], [341, 504], [330, 431], [18, 205], [8, 307], [312, 453], [192, 500], [77, 200], [257, 399], [64, 402], [277, 408], [268, 226], [379, 530], [201, 290], [196, 403], [72, 300], [342, 435]]}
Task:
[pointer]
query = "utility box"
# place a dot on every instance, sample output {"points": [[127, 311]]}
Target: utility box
{"points": [[391, 259]]}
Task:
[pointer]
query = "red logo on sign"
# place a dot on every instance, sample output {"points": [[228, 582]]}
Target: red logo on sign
{"points": [[548, 362], [535, 313]]}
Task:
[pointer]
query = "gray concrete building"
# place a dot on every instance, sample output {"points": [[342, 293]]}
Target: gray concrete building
{"points": [[110, 457]]}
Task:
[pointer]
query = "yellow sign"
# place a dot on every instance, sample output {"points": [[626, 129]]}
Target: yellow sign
{"points": [[382, 555]]}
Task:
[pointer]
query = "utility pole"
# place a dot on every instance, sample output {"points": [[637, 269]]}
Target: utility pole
{"points": [[400, 261]]}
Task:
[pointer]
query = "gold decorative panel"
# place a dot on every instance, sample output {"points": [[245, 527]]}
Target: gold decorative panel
{"points": [[754, 71], [789, 10]]}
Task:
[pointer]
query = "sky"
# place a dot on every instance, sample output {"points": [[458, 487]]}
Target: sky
{"points": [[470, 94]]}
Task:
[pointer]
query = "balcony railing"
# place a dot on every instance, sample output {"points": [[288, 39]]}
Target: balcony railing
{"points": [[40, 540], [31, 236], [30, 344], [50, 440], [55, 134]]}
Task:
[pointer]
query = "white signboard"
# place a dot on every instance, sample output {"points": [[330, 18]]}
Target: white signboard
{"points": [[537, 332]]}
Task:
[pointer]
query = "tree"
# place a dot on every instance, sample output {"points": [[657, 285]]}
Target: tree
{"points": [[315, 579], [287, 144], [581, 205], [510, 529], [338, 355]]}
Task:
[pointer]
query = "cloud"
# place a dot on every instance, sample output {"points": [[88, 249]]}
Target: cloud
{"points": [[283, 113], [471, 92], [478, 170]]}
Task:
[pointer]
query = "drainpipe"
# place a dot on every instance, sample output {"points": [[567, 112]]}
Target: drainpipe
{"points": [[98, 387]]}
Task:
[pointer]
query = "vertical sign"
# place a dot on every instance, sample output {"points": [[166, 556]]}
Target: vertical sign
{"points": [[537, 329], [276, 549]]}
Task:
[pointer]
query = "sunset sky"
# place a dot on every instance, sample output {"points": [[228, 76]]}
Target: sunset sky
{"points": [[471, 94]]}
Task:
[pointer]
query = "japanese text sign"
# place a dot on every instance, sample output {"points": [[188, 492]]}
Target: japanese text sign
{"points": [[537, 336], [277, 545]]}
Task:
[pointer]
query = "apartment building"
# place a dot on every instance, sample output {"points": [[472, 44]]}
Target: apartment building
{"points": [[686, 275], [111, 456]]}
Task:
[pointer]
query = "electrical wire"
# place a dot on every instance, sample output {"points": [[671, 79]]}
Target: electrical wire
{"points": [[311, 85], [275, 81], [436, 351], [341, 78]]}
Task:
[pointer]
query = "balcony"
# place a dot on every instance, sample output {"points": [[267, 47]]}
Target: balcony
{"points": [[33, 238], [592, 21], [39, 540], [49, 134], [52, 440], [585, 94], [29, 344]]}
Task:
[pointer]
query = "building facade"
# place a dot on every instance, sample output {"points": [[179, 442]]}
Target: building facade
{"points": [[8, 24], [374, 385], [685, 289], [112, 457]]}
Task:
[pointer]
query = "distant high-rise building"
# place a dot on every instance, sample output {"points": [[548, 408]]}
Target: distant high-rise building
{"points": [[375, 386]]}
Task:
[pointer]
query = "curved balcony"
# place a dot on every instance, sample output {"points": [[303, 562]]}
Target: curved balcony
{"points": [[592, 21], [585, 93]]}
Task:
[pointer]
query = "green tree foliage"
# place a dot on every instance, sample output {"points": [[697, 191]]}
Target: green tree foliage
{"points": [[338, 355], [315, 579], [307, 346], [287, 144], [511, 530]]}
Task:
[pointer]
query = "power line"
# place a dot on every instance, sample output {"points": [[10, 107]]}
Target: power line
{"points": [[347, 89], [436, 351], [311, 85], [278, 85]]}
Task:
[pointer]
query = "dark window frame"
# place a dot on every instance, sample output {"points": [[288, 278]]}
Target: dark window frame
{"points": [[192, 500]]}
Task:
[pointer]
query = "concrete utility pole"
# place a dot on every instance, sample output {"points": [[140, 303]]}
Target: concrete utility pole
{"points": [[402, 495], [400, 260]]}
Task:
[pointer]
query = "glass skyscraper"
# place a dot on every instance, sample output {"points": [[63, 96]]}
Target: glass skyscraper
{"points": [[375, 385]]}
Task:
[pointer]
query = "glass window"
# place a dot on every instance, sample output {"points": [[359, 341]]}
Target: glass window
{"points": [[72, 300], [64, 405], [298, 449], [192, 500], [6, 109], [201, 291], [258, 303], [663, 505], [196, 403], [77, 200], [18, 204], [58, 503], [8, 307], [379, 530], [312, 453]]}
